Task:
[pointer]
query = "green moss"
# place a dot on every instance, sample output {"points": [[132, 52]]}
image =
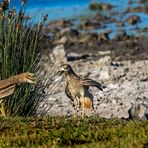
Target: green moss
{"points": [[63, 132]]}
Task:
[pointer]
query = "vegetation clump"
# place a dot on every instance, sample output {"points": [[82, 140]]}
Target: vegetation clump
{"points": [[21, 44]]}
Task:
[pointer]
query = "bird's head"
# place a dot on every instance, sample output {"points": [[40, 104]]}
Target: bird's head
{"points": [[65, 69]]}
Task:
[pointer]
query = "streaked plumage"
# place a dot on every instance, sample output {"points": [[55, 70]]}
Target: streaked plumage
{"points": [[8, 86], [77, 88]]}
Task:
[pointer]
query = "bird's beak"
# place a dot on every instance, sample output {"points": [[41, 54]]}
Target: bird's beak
{"points": [[60, 72]]}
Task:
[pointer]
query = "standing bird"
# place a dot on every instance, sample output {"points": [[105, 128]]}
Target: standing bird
{"points": [[77, 88], [8, 86]]}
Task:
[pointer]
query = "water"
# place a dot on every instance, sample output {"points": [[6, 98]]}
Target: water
{"points": [[58, 9], [67, 9]]}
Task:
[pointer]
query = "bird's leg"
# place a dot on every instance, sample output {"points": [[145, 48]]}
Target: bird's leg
{"points": [[78, 103], [74, 114], [83, 106], [75, 106], [2, 109], [93, 108]]}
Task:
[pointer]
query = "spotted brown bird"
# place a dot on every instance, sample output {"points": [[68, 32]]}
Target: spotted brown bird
{"points": [[77, 88], [8, 86]]}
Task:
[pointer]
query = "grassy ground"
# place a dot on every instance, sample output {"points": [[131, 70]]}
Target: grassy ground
{"points": [[63, 132]]}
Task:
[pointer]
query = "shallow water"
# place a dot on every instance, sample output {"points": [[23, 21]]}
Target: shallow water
{"points": [[68, 9]]}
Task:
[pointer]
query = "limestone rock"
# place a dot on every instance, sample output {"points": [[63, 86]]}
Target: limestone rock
{"points": [[62, 40], [105, 60], [138, 111], [134, 19], [58, 54]]}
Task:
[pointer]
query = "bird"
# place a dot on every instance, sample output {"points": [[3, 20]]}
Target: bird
{"points": [[8, 86], [77, 88]]}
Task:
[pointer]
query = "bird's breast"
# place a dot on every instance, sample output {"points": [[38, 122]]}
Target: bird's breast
{"points": [[75, 89]]}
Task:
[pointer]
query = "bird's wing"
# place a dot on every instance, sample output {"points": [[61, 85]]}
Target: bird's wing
{"points": [[90, 82], [68, 93], [7, 91]]}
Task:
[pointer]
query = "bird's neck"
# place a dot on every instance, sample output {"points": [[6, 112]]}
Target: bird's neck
{"points": [[71, 75]]}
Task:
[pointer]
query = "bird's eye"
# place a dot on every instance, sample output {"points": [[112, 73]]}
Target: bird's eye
{"points": [[65, 67]]}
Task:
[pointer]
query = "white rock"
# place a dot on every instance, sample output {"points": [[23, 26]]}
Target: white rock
{"points": [[137, 111], [122, 87], [58, 54], [113, 86], [105, 60], [63, 40], [108, 52], [104, 75]]}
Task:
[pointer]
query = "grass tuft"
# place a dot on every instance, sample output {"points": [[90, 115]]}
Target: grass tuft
{"points": [[21, 46]]}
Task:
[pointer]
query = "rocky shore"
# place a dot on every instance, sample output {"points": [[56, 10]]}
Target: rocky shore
{"points": [[120, 64], [125, 84]]}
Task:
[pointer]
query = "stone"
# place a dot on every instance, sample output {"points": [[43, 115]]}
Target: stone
{"points": [[104, 36], [124, 82], [104, 75], [105, 60], [69, 32], [75, 56], [58, 54], [138, 111], [134, 19], [62, 40]]}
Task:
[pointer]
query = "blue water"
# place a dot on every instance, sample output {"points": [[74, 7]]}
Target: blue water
{"points": [[66, 9], [57, 9]]}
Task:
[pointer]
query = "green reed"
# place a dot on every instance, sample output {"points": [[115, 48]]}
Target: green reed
{"points": [[20, 45]]}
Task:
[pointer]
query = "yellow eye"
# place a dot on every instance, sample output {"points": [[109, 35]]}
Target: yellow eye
{"points": [[65, 67]]}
